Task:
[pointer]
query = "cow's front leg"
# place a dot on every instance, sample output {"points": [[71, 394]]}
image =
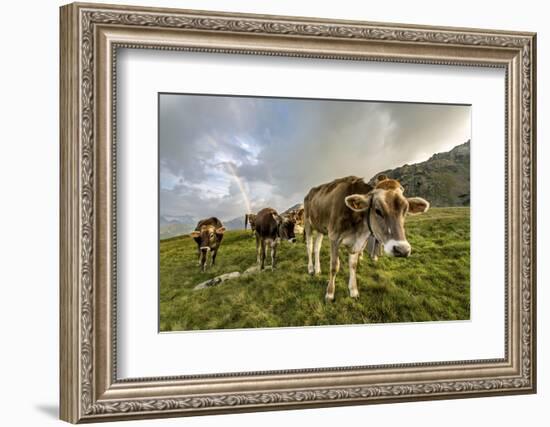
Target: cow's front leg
{"points": [[203, 260], [334, 267], [214, 253], [352, 285], [199, 253]]}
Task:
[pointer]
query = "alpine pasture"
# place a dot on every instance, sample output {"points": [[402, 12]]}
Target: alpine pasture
{"points": [[433, 284]]}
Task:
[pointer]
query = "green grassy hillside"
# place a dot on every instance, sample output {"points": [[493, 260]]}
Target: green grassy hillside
{"points": [[432, 284]]}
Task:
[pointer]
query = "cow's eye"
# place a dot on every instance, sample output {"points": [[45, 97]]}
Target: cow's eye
{"points": [[379, 213]]}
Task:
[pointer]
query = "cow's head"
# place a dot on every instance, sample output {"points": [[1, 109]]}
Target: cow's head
{"points": [[208, 236], [299, 215], [385, 208], [296, 216], [285, 227]]}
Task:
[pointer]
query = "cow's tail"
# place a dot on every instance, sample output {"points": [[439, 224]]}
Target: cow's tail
{"points": [[305, 219], [245, 221]]}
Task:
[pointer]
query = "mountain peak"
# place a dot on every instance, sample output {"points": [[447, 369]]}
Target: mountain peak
{"points": [[443, 179], [459, 151]]}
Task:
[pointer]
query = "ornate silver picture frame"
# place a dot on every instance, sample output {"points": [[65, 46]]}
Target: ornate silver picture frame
{"points": [[90, 387]]}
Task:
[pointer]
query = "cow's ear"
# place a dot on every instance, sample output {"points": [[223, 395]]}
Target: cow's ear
{"points": [[358, 202], [195, 234], [418, 205], [220, 230]]}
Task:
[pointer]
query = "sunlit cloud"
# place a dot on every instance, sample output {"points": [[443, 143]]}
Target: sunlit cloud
{"points": [[223, 156]]}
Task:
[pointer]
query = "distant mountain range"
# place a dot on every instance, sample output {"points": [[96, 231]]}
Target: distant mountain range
{"points": [[171, 226], [176, 226], [235, 223], [181, 219], [443, 180]]}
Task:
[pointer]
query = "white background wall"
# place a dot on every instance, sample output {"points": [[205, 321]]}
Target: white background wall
{"points": [[29, 171]]}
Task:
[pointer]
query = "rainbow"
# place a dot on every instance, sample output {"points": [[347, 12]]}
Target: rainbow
{"points": [[239, 182]]}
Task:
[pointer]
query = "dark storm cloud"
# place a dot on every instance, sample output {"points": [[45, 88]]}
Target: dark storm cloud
{"points": [[223, 155]]}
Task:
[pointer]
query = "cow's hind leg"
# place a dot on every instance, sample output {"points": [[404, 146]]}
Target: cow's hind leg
{"points": [[258, 249], [334, 267], [308, 232], [273, 254], [352, 285], [317, 249], [262, 254]]}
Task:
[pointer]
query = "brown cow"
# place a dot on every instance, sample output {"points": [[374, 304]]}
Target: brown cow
{"points": [[349, 210], [271, 228], [250, 219], [296, 215], [208, 234]]}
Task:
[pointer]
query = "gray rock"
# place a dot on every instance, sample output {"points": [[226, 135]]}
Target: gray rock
{"points": [[217, 280], [255, 269]]}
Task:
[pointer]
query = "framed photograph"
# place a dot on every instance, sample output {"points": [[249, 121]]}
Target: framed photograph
{"points": [[266, 212]]}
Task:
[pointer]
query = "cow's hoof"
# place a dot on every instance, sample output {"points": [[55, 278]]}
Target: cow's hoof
{"points": [[354, 294], [311, 271], [329, 298]]}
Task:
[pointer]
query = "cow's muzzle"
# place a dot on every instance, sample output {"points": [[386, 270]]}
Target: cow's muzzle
{"points": [[397, 248], [292, 240]]}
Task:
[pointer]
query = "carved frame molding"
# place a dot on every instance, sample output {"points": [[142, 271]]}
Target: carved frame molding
{"points": [[90, 36]]}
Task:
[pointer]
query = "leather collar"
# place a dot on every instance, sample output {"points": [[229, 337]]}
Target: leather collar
{"points": [[368, 222]]}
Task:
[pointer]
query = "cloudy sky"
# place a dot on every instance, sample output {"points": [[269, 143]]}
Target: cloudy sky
{"points": [[223, 156]]}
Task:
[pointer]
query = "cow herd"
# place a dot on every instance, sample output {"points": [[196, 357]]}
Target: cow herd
{"points": [[352, 213]]}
